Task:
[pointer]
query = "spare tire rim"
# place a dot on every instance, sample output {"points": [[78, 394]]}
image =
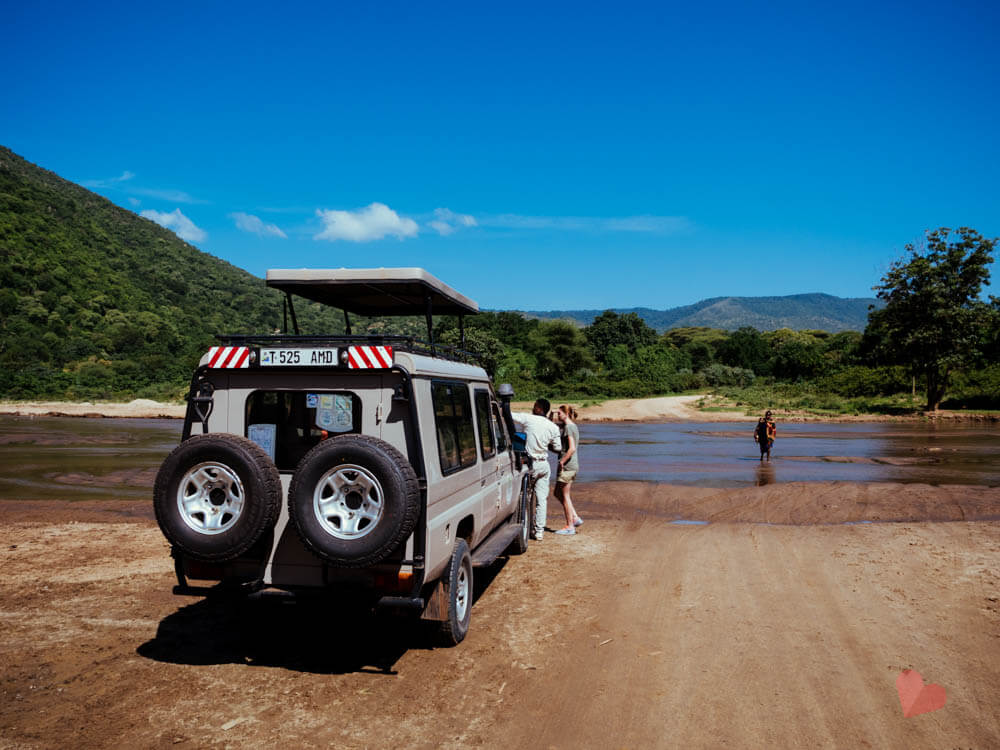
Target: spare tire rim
{"points": [[348, 501], [210, 498]]}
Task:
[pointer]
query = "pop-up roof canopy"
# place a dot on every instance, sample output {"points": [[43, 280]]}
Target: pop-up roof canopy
{"points": [[373, 291]]}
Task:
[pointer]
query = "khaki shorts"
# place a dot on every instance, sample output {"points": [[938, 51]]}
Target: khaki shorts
{"points": [[566, 475]]}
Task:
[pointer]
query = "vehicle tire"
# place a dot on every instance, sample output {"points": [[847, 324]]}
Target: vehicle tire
{"points": [[458, 589], [520, 545], [215, 495], [354, 499], [532, 504]]}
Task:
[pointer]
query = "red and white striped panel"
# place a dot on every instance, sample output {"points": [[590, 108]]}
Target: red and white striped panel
{"points": [[229, 357], [369, 357]]}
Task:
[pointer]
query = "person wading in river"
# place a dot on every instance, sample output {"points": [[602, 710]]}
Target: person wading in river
{"points": [[764, 434]]}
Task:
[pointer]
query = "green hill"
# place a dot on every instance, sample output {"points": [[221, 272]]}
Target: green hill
{"points": [[96, 301], [822, 312]]}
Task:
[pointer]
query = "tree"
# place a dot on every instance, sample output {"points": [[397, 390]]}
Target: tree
{"points": [[933, 320], [746, 349], [560, 350], [609, 328]]}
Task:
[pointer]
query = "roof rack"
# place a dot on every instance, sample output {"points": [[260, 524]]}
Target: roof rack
{"points": [[374, 292]]}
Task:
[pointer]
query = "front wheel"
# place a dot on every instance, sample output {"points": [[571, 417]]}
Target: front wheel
{"points": [[525, 520], [458, 588]]}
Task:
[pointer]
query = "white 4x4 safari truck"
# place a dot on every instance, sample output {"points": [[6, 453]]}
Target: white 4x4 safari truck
{"points": [[378, 469]]}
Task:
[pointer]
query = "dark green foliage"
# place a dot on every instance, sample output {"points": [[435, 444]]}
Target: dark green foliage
{"points": [[746, 348], [933, 320], [96, 302], [611, 329]]}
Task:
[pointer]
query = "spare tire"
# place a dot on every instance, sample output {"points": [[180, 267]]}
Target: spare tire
{"points": [[216, 495], [354, 499]]}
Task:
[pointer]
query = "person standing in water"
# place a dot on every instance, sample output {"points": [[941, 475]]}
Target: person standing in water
{"points": [[764, 434]]}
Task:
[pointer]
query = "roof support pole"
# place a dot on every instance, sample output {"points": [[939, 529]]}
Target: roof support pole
{"points": [[430, 323], [461, 331], [291, 307], [284, 315], [347, 323]]}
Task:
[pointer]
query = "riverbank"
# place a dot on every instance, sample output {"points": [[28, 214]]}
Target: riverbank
{"points": [[657, 409], [140, 408], [782, 619]]}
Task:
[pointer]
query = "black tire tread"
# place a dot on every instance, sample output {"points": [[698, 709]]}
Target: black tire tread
{"points": [[449, 632], [520, 545], [262, 515], [411, 510]]}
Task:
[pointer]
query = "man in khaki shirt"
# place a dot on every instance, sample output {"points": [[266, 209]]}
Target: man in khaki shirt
{"points": [[541, 436]]}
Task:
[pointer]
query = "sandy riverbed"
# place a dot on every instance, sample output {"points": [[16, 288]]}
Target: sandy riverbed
{"points": [[658, 409], [661, 409], [783, 622]]}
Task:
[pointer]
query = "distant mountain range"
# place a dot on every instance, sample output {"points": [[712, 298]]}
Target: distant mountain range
{"points": [[796, 311]]}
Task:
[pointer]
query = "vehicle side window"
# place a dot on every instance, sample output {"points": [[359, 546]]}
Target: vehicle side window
{"points": [[483, 421], [498, 429], [287, 424], [456, 434]]}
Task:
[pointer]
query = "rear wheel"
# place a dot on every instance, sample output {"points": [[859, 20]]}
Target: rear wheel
{"points": [[458, 589]]}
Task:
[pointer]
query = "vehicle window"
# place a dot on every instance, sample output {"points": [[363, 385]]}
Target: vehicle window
{"points": [[456, 435], [287, 424], [484, 423], [498, 429]]}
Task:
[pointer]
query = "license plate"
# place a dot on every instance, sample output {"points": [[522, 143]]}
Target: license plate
{"points": [[298, 357]]}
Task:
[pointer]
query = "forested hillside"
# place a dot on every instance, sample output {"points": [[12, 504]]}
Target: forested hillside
{"points": [[797, 311], [95, 300]]}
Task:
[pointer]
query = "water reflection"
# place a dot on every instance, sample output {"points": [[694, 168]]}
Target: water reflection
{"points": [[765, 474], [725, 455], [45, 458]]}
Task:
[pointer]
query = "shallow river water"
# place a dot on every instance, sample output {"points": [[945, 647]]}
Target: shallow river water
{"points": [[76, 459]]}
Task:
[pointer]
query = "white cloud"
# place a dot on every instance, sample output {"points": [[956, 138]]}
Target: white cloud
{"points": [[254, 225], [134, 201], [182, 226], [172, 196], [372, 222], [441, 227], [447, 221], [642, 223], [124, 177]]}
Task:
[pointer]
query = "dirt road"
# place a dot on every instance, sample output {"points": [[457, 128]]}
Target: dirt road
{"points": [[776, 624]]}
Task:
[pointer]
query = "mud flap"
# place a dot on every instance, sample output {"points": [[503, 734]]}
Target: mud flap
{"points": [[437, 604]]}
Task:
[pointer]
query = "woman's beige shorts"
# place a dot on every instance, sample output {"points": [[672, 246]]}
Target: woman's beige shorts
{"points": [[566, 475]]}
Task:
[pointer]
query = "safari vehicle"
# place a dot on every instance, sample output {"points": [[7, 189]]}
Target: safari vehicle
{"points": [[376, 469]]}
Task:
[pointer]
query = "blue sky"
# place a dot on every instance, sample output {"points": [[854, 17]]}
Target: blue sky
{"points": [[534, 156]]}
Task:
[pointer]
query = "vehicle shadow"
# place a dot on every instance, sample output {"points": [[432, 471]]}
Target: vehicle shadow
{"points": [[316, 635]]}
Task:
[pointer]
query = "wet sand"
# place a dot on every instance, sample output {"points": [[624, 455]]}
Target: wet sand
{"points": [[656, 409], [783, 621]]}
